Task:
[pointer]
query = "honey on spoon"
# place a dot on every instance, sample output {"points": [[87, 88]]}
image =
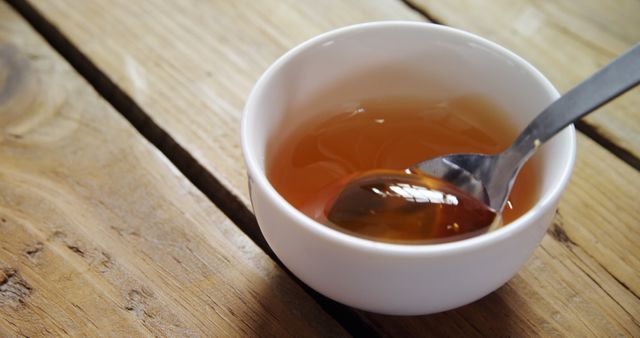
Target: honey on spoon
{"points": [[408, 203]]}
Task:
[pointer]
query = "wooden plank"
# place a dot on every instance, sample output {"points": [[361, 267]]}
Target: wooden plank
{"points": [[167, 63], [567, 40], [206, 69], [101, 235]]}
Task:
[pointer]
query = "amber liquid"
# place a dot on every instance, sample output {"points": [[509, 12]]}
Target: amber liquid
{"points": [[307, 164]]}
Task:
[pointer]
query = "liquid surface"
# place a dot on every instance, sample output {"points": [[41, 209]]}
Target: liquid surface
{"points": [[308, 165]]}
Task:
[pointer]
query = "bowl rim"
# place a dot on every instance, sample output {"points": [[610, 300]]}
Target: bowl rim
{"points": [[258, 176]]}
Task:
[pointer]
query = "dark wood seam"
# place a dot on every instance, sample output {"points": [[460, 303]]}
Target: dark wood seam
{"points": [[594, 134], [217, 193], [422, 11]]}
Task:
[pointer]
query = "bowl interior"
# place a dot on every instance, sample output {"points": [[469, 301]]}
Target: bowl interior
{"points": [[398, 59]]}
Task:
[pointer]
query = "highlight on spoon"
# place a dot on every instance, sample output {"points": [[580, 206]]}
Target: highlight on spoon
{"points": [[406, 206]]}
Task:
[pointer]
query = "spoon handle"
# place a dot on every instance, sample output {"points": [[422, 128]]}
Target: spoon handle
{"points": [[614, 79]]}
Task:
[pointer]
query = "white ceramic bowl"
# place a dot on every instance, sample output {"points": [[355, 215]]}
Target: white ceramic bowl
{"points": [[392, 58]]}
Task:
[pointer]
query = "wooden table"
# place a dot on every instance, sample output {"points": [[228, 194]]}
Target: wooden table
{"points": [[123, 203]]}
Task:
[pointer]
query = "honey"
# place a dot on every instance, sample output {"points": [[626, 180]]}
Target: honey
{"points": [[311, 165]]}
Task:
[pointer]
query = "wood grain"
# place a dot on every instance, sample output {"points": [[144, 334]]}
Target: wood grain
{"points": [[208, 68], [191, 72], [102, 236], [567, 40]]}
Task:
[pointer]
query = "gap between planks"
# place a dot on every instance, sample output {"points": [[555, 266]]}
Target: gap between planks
{"points": [[203, 180], [422, 12], [581, 125]]}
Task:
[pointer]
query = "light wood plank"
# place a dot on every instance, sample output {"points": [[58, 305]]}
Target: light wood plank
{"points": [[567, 40], [202, 64], [206, 59], [101, 235]]}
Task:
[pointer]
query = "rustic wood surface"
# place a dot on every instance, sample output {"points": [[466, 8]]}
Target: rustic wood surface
{"points": [[101, 235], [188, 66]]}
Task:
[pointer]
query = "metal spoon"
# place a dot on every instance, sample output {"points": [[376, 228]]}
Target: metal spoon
{"points": [[490, 178]]}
